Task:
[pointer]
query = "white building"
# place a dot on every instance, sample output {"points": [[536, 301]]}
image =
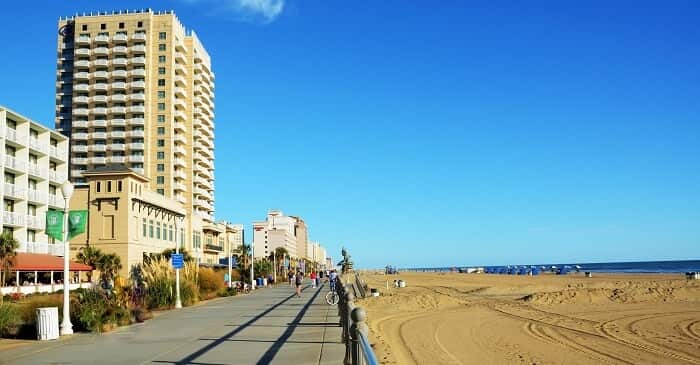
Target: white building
{"points": [[276, 231], [33, 166]]}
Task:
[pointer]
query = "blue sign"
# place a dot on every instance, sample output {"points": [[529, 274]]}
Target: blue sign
{"points": [[177, 261]]}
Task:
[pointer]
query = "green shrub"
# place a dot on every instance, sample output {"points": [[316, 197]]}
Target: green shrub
{"points": [[9, 320], [89, 310], [27, 312], [158, 278], [227, 292]]}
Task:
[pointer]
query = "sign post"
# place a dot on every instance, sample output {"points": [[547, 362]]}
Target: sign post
{"points": [[177, 261]]}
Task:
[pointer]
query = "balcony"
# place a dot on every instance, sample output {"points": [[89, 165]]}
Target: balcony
{"points": [[54, 249], [179, 103], [118, 122], [141, 36], [179, 138], [81, 87], [138, 84], [117, 159], [82, 51], [138, 49], [136, 146], [122, 61], [119, 85], [139, 72], [201, 203], [117, 134], [101, 63], [118, 109], [12, 219], [135, 158], [79, 148], [99, 135], [99, 111], [180, 126], [36, 222], [98, 160], [38, 146], [35, 170], [79, 160], [180, 57], [179, 150], [102, 75], [180, 114], [137, 97], [15, 164], [99, 99], [117, 147], [137, 109], [215, 248], [101, 51], [81, 99], [81, 64], [179, 162], [137, 121], [81, 75], [99, 123], [55, 200], [83, 39], [121, 37], [100, 87], [118, 98], [180, 92], [179, 174], [179, 186], [81, 111], [179, 80], [138, 60], [102, 38], [120, 50], [136, 133], [79, 136], [37, 196], [57, 176], [138, 170], [98, 147]]}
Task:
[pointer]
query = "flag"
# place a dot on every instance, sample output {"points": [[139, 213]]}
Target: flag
{"points": [[54, 224], [77, 221]]}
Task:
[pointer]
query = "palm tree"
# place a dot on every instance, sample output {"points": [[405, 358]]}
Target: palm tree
{"points": [[8, 248], [244, 255], [109, 266], [279, 254], [90, 255]]}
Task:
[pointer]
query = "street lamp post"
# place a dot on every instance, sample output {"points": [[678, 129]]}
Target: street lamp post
{"points": [[252, 260], [66, 326], [178, 302], [230, 284], [274, 267]]}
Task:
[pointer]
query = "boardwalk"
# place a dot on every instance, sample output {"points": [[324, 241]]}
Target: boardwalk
{"points": [[270, 326]]}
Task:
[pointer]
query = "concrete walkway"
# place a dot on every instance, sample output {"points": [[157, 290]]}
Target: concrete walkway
{"points": [[269, 326]]}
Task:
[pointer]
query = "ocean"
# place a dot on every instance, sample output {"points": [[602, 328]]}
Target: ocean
{"points": [[681, 266]]}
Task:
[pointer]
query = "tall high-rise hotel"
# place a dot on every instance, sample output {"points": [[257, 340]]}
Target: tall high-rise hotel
{"points": [[135, 88]]}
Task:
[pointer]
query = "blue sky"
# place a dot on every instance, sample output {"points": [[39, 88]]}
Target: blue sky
{"points": [[418, 134]]}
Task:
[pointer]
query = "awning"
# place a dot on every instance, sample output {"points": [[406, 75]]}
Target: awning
{"points": [[42, 262]]}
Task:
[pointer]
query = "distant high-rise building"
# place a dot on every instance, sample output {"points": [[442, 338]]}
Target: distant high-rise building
{"points": [[302, 236], [276, 231], [135, 88]]}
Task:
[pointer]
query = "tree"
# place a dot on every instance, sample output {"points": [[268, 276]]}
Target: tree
{"points": [[244, 255], [109, 266], [279, 254], [8, 251], [90, 255]]}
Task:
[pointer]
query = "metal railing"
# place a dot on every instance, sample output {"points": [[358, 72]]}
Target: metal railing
{"points": [[358, 351]]}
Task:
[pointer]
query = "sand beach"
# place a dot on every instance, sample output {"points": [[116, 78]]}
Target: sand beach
{"points": [[453, 318]]}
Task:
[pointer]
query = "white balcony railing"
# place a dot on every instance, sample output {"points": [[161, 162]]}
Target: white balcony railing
{"points": [[56, 201], [79, 148], [37, 196], [36, 222], [136, 158], [55, 249], [117, 147], [34, 169], [57, 152], [117, 159], [137, 121], [57, 176], [15, 163], [12, 219], [136, 146]]}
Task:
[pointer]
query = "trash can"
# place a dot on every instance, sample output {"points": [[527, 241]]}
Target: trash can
{"points": [[264, 281], [47, 323], [258, 282]]}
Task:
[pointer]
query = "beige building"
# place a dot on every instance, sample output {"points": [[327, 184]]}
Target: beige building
{"points": [[276, 231], [302, 236], [136, 89], [34, 164]]}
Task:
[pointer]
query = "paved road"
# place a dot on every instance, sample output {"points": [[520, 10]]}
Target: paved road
{"points": [[270, 326]]}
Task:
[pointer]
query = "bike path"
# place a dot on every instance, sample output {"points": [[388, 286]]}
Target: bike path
{"points": [[269, 326]]}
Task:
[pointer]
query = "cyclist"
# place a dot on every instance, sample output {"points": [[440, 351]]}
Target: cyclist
{"points": [[332, 278]]}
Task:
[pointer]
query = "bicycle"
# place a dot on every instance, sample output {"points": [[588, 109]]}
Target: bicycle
{"points": [[332, 298]]}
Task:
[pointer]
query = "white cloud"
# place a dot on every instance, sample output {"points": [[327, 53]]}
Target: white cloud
{"points": [[265, 11]]}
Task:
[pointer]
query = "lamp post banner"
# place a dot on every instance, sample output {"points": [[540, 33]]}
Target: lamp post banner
{"points": [[77, 221], [54, 224]]}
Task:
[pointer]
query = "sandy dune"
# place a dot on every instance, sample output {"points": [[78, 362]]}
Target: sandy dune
{"points": [[456, 318]]}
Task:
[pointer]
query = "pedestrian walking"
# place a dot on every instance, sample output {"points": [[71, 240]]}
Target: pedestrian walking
{"points": [[298, 280], [312, 276], [290, 275]]}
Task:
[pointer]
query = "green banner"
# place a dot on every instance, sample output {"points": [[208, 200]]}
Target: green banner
{"points": [[77, 221], [54, 224]]}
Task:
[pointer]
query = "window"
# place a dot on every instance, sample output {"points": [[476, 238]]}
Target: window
{"points": [[119, 186], [150, 228], [121, 25], [160, 180], [161, 118], [161, 131], [161, 70], [161, 59], [161, 35], [161, 106], [160, 155], [103, 26], [84, 27], [161, 82], [139, 24], [98, 186], [160, 191], [109, 186], [161, 95], [143, 229], [161, 47], [161, 143], [160, 167], [158, 230], [170, 234]]}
